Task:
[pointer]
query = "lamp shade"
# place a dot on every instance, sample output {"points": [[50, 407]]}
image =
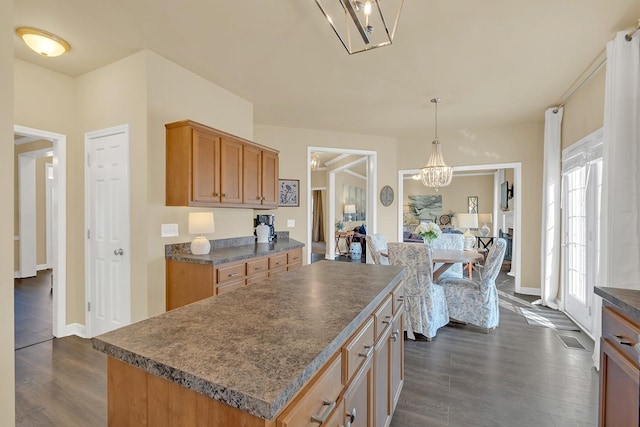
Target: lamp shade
{"points": [[467, 220], [349, 209], [201, 223], [484, 218]]}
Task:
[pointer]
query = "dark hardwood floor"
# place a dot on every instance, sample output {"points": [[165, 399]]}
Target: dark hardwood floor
{"points": [[33, 309], [517, 375]]}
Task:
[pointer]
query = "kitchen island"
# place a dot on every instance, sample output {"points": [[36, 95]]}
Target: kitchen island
{"points": [[262, 354]]}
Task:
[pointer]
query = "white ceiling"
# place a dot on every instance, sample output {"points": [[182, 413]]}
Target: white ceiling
{"points": [[492, 61]]}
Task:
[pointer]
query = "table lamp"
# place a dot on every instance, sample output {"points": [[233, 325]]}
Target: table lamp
{"points": [[483, 219], [201, 223], [350, 210], [468, 221]]}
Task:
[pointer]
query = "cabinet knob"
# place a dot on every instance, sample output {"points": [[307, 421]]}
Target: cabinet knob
{"points": [[224, 195], [351, 416], [258, 198]]}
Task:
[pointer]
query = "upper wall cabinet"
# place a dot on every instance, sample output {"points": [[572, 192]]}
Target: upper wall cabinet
{"points": [[207, 167]]}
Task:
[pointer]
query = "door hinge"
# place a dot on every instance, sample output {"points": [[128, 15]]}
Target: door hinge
{"points": [[88, 305], [88, 234], [89, 160]]}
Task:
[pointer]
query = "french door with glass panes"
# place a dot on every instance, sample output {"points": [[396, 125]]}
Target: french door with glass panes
{"points": [[581, 188]]}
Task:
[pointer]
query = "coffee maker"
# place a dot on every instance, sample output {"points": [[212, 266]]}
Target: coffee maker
{"points": [[269, 220]]}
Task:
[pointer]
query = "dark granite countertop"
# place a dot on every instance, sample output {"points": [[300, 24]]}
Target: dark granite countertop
{"points": [[255, 347], [627, 299], [221, 255]]}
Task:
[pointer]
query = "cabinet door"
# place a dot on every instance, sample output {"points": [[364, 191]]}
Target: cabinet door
{"points": [[231, 171], [269, 179], [397, 356], [382, 375], [206, 168], [619, 378], [251, 184], [358, 398]]}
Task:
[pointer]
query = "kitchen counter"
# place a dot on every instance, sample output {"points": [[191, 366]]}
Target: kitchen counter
{"points": [[255, 347], [628, 300], [222, 255]]}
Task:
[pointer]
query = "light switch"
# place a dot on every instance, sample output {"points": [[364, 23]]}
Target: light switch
{"points": [[291, 223], [169, 230]]}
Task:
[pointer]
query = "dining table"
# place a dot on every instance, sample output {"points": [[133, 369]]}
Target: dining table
{"points": [[448, 257]]}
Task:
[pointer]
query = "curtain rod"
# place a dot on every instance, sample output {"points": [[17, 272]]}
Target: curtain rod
{"points": [[590, 76], [630, 34]]}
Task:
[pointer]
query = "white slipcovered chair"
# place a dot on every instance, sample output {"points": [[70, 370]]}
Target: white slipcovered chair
{"points": [[449, 241], [377, 246], [425, 304], [476, 302]]}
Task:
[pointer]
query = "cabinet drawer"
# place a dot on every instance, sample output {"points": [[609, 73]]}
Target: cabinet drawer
{"points": [[257, 278], [383, 316], [357, 350], [277, 261], [317, 400], [294, 266], [398, 297], [621, 332], [221, 288], [257, 267], [295, 256], [231, 272]]}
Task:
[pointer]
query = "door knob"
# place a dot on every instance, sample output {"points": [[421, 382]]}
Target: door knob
{"points": [[118, 251]]}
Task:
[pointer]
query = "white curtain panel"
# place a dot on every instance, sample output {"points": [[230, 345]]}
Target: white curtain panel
{"points": [[620, 266], [619, 221], [551, 222]]}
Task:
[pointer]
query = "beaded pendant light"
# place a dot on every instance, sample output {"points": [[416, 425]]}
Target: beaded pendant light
{"points": [[436, 173]]}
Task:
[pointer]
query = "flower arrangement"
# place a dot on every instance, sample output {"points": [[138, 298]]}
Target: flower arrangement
{"points": [[429, 231], [340, 226]]}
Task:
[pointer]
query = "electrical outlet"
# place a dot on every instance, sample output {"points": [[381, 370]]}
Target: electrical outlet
{"points": [[291, 223], [169, 230]]}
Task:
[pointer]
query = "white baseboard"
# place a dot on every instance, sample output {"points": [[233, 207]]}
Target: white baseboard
{"points": [[39, 267], [74, 329], [529, 291]]}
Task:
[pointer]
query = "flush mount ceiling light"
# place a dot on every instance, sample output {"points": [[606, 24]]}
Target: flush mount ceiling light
{"points": [[436, 173], [42, 42], [362, 25]]}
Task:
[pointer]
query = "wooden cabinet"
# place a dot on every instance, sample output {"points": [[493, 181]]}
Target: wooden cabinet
{"points": [[619, 372], [396, 366], [318, 400], [189, 282], [260, 180], [207, 167], [358, 398]]}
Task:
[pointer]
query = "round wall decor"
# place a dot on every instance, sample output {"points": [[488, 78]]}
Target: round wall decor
{"points": [[386, 195]]}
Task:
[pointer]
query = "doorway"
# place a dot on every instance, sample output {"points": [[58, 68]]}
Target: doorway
{"points": [[58, 202], [512, 219], [359, 163]]}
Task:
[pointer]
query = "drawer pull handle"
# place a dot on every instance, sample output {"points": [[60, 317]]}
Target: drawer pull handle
{"points": [[387, 321], [351, 417], [320, 419], [369, 349], [233, 274], [216, 194], [622, 340], [401, 298], [279, 262]]}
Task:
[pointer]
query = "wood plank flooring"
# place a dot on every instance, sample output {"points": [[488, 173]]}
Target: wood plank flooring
{"points": [[33, 309], [517, 375]]}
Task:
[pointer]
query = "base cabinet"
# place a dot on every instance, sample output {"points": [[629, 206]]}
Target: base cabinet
{"points": [[619, 370], [189, 282], [358, 398]]}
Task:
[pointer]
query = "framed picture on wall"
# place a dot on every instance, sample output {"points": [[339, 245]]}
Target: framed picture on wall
{"points": [[289, 192], [473, 204]]}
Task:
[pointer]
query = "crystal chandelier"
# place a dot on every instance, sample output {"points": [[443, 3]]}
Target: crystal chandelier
{"points": [[436, 173]]}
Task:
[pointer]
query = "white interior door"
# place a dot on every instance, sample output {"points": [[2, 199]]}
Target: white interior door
{"points": [[108, 263]]}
